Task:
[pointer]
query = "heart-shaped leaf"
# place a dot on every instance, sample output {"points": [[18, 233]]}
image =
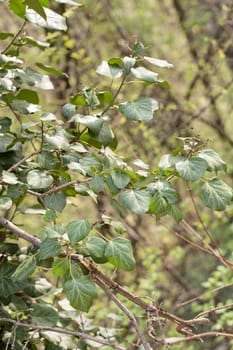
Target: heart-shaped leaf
{"points": [[216, 194], [136, 200], [141, 109]]}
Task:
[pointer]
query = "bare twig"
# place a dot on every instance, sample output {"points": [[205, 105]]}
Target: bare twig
{"points": [[124, 309], [203, 294]]}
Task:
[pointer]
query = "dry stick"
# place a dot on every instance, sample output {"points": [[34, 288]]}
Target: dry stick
{"points": [[213, 309], [125, 311], [203, 294], [94, 272], [60, 330], [198, 337]]}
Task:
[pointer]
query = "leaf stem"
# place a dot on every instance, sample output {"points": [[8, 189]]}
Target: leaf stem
{"points": [[14, 38], [115, 96]]}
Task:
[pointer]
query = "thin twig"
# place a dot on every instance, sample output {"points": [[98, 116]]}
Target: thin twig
{"points": [[20, 162], [81, 335], [213, 309], [124, 309], [198, 337], [14, 38], [203, 294]]}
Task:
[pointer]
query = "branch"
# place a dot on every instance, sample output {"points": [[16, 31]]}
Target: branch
{"points": [[14, 38], [125, 311], [199, 336], [81, 335]]}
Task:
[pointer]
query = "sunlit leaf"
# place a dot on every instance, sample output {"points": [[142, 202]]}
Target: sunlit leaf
{"points": [[191, 169], [158, 63], [112, 71], [136, 200], [145, 74], [215, 163], [39, 179], [53, 20]]}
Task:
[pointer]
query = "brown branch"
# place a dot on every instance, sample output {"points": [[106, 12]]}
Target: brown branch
{"points": [[199, 336], [81, 335]]}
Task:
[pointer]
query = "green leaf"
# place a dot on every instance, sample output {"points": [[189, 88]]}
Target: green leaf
{"points": [[112, 71], [145, 74], [56, 201], [120, 178], [50, 215], [36, 6], [80, 292], [119, 253], [28, 95], [215, 163], [37, 179], [59, 139], [97, 184], [216, 194], [68, 110], [18, 7], [105, 136], [7, 285], [175, 212], [158, 204], [24, 107], [77, 230], [158, 63], [164, 188], [141, 109], [93, 123], [191, 169], [53, 20], [25, 269], [49, 69], [61, 267], [49, 247], [96, 247], [168, 161], [136, 200], [5, 124], [44, 315], [4, 36], [5, 203]]}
